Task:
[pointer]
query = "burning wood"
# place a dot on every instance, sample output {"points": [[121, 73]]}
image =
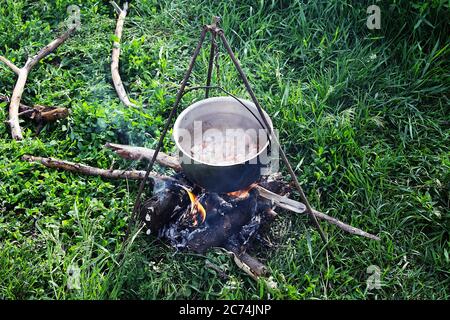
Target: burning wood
{"points": [[196, 206], [242, 194]]}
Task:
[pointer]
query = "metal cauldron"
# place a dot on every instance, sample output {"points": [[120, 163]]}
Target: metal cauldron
{"points": [[222, 113]]}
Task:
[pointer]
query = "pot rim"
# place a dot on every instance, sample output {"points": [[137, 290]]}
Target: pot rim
{"points": [[215, 99]]}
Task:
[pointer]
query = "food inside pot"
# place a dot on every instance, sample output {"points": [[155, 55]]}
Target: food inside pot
{"points": [[225, 148]]}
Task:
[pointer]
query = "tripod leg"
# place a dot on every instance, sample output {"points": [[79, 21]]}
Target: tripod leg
{"points": [[168, 122], [272, 137], [211, 62]]}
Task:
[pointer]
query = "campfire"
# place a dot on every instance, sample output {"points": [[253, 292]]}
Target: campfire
{"points": [[205, 220]]}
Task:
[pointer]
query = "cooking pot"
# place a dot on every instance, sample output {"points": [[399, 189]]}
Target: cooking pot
{"points": [[221, 113]]}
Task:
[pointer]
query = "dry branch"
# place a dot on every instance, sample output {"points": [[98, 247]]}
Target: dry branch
{"points": [[118, 85], [250, 265], [11, 65], [88, 170], [22, 73], [298, 207], [40, 114], [138, 153], [217, 269]]}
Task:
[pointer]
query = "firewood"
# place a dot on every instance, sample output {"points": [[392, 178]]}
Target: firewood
{"points": [[22, 73], [118, 85], [217, 269], [138, 153], [299, 207], [247, 263], [90, 171]]}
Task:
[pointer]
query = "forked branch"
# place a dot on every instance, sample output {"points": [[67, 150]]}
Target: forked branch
{"points": [[117, 80], [22, 73]]}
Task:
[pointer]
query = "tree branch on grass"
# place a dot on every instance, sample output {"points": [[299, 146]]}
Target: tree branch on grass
{"points": [[138, 153], [22, 73], [90, 171], [298, 207], [118, 85], [40, 114], [11, 65]]}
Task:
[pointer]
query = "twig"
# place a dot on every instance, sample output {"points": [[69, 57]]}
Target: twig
{"points": [[298, 207], [118, 85], [11, 65], [216, 268], [88, 170], [247, 263], [22, 73]]}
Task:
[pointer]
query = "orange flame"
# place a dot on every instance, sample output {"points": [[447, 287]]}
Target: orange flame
{"points": [[242, 194], [196, 206]]}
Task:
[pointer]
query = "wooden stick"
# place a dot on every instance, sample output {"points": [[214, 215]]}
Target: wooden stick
{"points": [[88, 170], [217, 269], [138, 153], [11, 65], [280, 201], [298, 207], [250, 265], [40, 113], [50, 114], [118, 85], [22, 73]]}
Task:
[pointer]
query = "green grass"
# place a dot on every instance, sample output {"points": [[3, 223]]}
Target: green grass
{"points": [[363, 115]]}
